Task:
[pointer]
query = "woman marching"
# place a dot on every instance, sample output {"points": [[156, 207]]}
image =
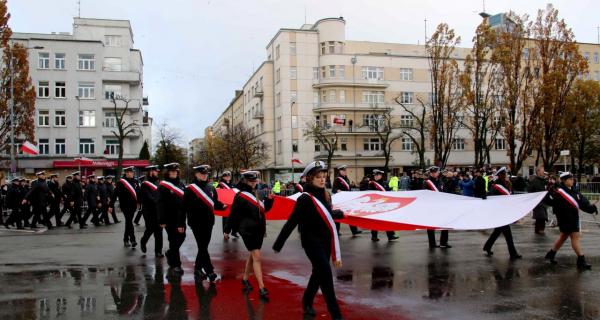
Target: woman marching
{"points": [[314, 217], [247, 218]]}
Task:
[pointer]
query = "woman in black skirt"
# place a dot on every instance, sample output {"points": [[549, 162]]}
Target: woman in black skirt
{"points": [[247, 218], [314, 217]]}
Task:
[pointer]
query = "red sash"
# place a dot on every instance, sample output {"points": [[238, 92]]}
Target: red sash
{"points": [[202, 195], [326, 216], [150, 185], [344, 183], [501, 189], [431, 186], [223, 185], [378, 186], [299, 187], [252, 199], [129, 188], [173, 188], [568, 198]]}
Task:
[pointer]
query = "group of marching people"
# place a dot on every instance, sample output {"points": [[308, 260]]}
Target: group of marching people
{"points": [[30, 203]]}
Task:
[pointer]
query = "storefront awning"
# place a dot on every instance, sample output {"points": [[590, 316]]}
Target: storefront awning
{"points": [[99, 163]]}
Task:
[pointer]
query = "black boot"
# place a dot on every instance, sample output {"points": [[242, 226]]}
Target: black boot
{"points": [[550, 256], [582, 264]]}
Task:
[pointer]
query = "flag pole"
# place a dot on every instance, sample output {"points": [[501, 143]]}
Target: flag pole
{"points": [[293, 171]]}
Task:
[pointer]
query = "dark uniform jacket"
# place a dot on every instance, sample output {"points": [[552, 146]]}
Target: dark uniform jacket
{"points": [[494, 190], [479, 188], [245, 217], [38, 194], [339, 186], [110, 191], [127, 202], [91, 194], [198, 212], [437, 182], [170, 205], [567, 213], [148, 195], [55, 191], [537, 184], [77, 192], [103, 194], [383, 183], [314, 231], [416, 184], [13, 197]]}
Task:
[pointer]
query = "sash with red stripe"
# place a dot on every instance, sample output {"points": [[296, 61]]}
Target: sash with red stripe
{"points": [[378, 186], [431, 186], [344, 183], [568, 198], [326, 216], [252, 199], [202, 195], [173, 188], [150, 185], [299, 187], [223, 185], [501, 189], [129, 188]]}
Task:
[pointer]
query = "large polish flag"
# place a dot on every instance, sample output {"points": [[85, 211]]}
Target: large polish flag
{"points": [[29, 148]]}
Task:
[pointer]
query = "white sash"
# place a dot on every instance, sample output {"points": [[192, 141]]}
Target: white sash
{"points": [[202, 195], [172, 187], [224, 185], [568, 198], [500, 188], [150, 185], [326, 216], [431, 186], [251, 198], [129, 188], [344, 183], [378, 186]]}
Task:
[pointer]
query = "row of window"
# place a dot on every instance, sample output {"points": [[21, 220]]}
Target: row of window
{"points": [[339, 72], [86, 146], [85, 62], [85, 90], [87, 118]]}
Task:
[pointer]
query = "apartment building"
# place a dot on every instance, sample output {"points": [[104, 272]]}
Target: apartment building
{"points": [[74, 75]]}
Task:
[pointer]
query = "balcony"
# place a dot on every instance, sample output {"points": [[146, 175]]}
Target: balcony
{"points": [[359, 83], [318, 107], [121, 76], [350, 155], [258, 93], [259, 114], [350, 130]]}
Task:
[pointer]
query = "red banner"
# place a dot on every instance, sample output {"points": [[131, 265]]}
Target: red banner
{"points": [[99, 163]]}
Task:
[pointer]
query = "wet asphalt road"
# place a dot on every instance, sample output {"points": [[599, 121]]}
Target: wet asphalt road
{"points": [[88, 274]]}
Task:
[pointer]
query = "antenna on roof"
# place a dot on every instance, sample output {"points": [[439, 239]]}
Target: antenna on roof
{"points": [[304, 14], [425, 31], [78, 8]]}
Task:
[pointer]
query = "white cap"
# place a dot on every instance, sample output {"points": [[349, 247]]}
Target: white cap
{"points": [[501, 170], [566, 175], [315, 165]]}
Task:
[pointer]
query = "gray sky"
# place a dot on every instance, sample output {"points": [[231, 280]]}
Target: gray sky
{"points": [[196, 53]]}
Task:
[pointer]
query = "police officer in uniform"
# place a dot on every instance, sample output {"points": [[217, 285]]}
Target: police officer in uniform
{"points": [[171, 215], [38, 196], [103, 194], [55, 199], [225, 183], [68, 190], [25, 208], [148, 199], [501, 187], [93, 200], [13, 203], [378, 184], [342, 183], [110, 190], [566, 203], [200, 200], [434, 183], [126, 192]]}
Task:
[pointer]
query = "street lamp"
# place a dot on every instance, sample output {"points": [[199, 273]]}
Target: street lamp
{"points": [[79, 133], [13, 161]]}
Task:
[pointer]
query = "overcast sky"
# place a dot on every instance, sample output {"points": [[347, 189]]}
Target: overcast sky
{"points": [[196, 53]]}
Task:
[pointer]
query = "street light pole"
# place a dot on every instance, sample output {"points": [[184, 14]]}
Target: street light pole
{"points": [[292, 136], [78, 133]]}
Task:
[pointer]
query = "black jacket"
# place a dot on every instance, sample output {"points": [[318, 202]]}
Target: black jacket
{"points": [[383, 183], [127, 201], [198, 212], [436, 182], [170, 205], [55, 191], [314, 231], [493, 191], [339, 186], [245, 217], [479, 188], [416, 184], [39, 193], [77, 192], [13, 196], [148, 196], [110, 191], [565, 210], [91, 194], [103, 194]]}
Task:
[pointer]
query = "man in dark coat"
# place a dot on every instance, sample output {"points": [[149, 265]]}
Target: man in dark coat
{"points": [[479, 184], [378, 184], [38, 197], [148, 200], [171, 214], [93, 200], [110, 191], [13, 203], [434, 183], [539, 183], [126, 192], [56, 198]]}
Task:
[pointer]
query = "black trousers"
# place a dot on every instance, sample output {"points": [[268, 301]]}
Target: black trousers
{"points": [[175, 241], [15, 217], [322, 278], [505, 230], [25, 211], [40, 214], [138, 217], [443, 238], [129, 234], [389, 234], [55, 212], [202, 236], [152, 229], [540, 225], [75, 215], [93, 211], [104, 213], [114, 214], [353, 229]]}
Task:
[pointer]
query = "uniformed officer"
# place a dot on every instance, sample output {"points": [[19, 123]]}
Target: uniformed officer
{"points": [[126, 192], [225, 183], [93, 200], [13, 203], [69, 200], [140, 212], [501, 187], [342, 183], [149, 199], [378, 184], [78, 198], [434, 183], [25, 208], [104, 202], [200, 200], [566, 203], [171, 215], [38, 196], [56, 198], [110, 190]]}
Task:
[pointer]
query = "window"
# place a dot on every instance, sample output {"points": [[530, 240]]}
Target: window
{"points": [[316, 98], [596, 57], [458, 144], [86, 62], [43, 118], [44, 146], [60, 146], [86, 90], [526, 53], [596, 76], [43, 89], [43, 60], [323, 96], [60, 118], [293, 96], [407, 120], [111, 90], [323, 48], [278, 99], [59, 61], [110, 120], [332, 71], [500, 144], [293, 73], [372, 73], [295, 145], [60, 89], [277, 75], [279, 151], [317, 146], [339, 47], [111, 147], [344, 144], [294, 122], [315, 73], [112, 41], [292, 48], [406, 97], [342, 72], [279, 123], [371, 144], [372, 120], [586, 56], [277, 52], [323, 72], [331, 46], [373, 97], [342, 96], [112, 64], [87, 118], [460, 121], [406, 74], [86, 146], [332, 95], [407, 144]]}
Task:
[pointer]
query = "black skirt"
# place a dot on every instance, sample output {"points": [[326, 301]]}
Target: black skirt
{"points": [[568, 223], [253, 242]]}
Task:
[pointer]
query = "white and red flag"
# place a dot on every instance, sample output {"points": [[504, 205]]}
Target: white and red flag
{"points": [[296, 161], [29, 148]]}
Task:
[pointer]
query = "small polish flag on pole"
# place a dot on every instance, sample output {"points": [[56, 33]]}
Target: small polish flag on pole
{"points": [[29, 148], [296, 161]]}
